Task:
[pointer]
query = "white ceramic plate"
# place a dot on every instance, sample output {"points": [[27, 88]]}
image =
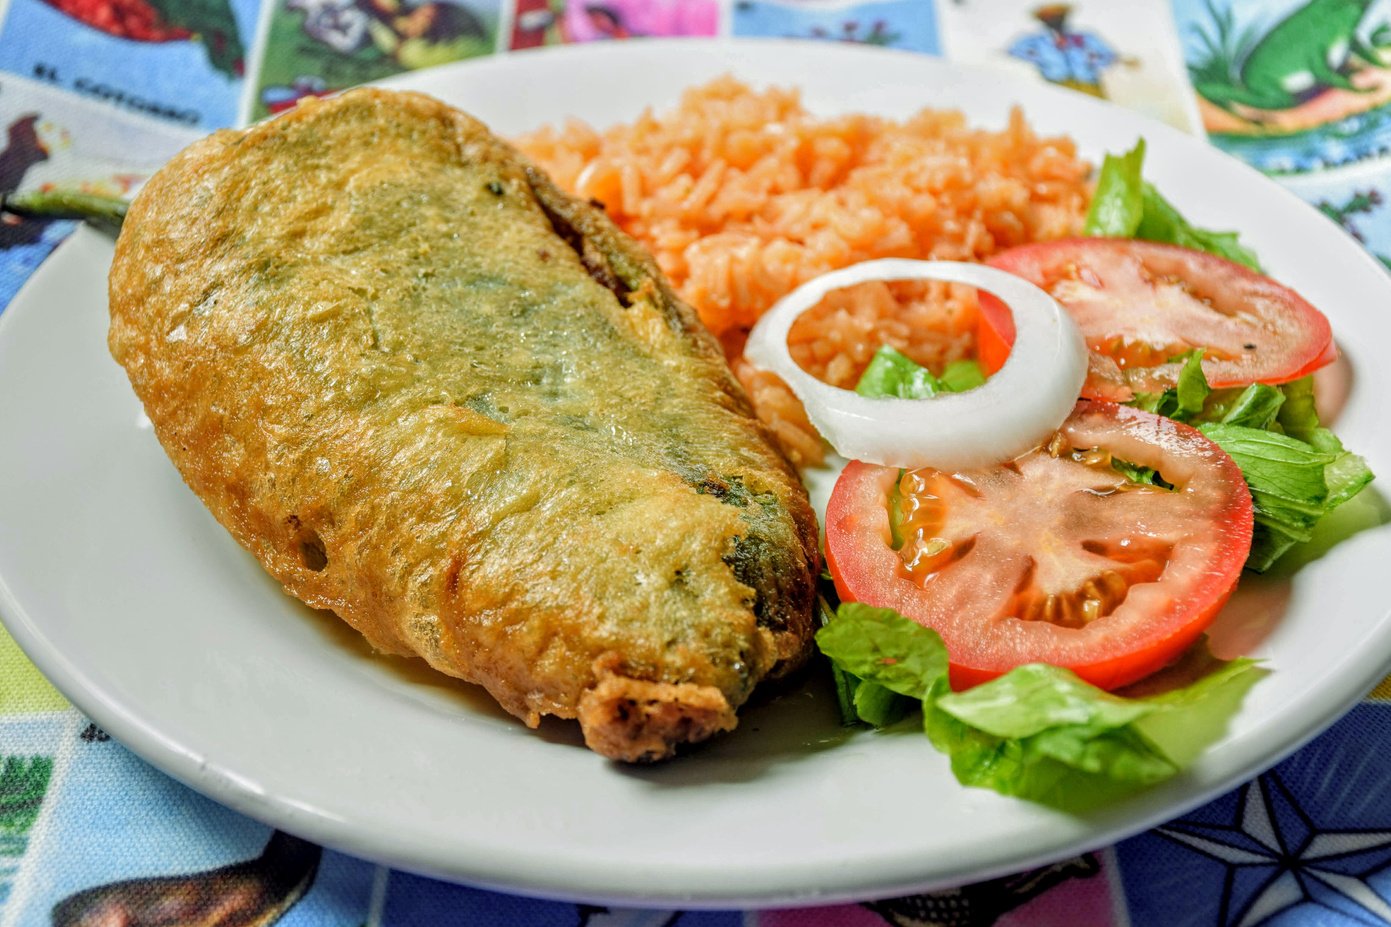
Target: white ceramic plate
{"points": [[129, 596]]}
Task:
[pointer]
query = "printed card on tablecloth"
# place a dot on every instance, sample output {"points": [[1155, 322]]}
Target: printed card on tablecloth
{"points": [[119, 843], [177, 61], [1291, 86], [910, 25], [52, 138], [314, 47], [1357, 197], [1301, 89], [554, 22], [29, 761], [1123, 52]]}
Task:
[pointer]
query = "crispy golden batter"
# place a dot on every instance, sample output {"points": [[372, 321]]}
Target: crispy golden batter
{"points": [[433, 393]]}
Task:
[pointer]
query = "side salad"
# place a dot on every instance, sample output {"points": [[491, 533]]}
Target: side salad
{"points": [[1044, 614]]}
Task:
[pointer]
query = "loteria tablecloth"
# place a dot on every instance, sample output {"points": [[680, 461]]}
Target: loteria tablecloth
{"points": [[96, 94]]}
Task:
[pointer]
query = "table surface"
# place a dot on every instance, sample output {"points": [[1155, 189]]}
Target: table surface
{"points": [[96, 94]]}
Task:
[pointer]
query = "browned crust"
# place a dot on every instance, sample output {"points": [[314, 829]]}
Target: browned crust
{"points": [[639, 721], [247, 306]]}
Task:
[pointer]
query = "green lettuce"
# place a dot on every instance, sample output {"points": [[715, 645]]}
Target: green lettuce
{"points": [[1136, 473], [1297, 416], [880, 646], [892, 374], [1162, 222], [860, 699], [1256, 406], [961, 375], [1193, 401], [1038, 732], [1297, 470], [1126, 206], [1293, 483], [1118, 205], [1185, 400]]}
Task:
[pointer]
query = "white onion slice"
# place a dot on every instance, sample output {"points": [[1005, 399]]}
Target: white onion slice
{"points": [[1016, 409]]}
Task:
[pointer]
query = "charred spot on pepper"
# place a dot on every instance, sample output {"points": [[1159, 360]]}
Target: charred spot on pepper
{"points": [[593, 260], [751, 560], [731, 490]]}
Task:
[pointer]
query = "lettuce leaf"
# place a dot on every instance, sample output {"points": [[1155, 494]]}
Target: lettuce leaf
{"points": [[1298, 416], [1038, 732], [1293, 483], [845, 683], [1346, 475], [1275, 465], [1125, 206], [880, 706], [1162, 222], [1186, 400], [1297, 470], [1118, 205], [879, 645], [1033, 730], [892, 374], [1134, 472], [1256, 406], [961, 375]]}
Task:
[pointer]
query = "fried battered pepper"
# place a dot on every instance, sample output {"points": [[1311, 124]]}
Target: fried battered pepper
{"points": [[433, 393]]}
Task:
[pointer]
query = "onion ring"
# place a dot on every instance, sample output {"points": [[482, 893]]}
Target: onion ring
{"points": [[1017, 408]]}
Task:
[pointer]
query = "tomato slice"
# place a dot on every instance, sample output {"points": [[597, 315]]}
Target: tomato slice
{"points": [[1140, 304], [1056, 556]]}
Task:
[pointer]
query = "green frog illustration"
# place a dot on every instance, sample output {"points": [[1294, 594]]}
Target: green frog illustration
{"points": [[1308, 51]]}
